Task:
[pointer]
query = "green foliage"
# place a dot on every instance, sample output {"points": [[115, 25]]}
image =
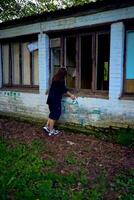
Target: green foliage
{"points": [[69, 3], [23, 176], [37, 145], [70, 159], [124, 137], [49, 163], [86, 195], [20, 8], [124, 185], [121, 136]]}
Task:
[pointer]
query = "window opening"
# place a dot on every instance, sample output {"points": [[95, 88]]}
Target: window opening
{"points": [[15, 63], [86, 57], [35, 69], [25, 65], [5, 63], [86, 62], [55, 50], [129, 76], [70, 60], [103, 46], [19, 66]]}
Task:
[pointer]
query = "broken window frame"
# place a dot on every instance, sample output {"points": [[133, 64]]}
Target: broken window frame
{"points": [[96, 64], [93, 91], [51, 49], [79, 64], [10, 83], [64, 53]]}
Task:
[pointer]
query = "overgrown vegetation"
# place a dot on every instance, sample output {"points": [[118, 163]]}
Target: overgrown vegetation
{"points": [[21, 8], [122, 136], [25, 174]]}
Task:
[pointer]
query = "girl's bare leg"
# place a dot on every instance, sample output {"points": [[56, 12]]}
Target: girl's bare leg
{"points": [[50, 124]]}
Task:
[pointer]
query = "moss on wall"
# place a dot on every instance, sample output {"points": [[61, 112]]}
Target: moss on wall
{"points": [[123, 136]]}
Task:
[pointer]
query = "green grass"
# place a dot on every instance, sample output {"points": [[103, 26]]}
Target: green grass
{"points": [[124, 184], [70, 159], [124, 137], [24, 175]]}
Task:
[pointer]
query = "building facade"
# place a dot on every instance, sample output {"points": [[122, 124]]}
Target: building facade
{"points": [[95, 42]]}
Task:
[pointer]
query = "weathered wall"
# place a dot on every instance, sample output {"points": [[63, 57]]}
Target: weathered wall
{"points": [[99, 112], [88, 111], [12, 101]]}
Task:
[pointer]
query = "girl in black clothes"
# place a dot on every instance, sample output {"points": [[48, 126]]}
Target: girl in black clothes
{"points": [[56, 91]]}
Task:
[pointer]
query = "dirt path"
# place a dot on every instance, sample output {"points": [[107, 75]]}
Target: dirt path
{"points": [[95, 156]]}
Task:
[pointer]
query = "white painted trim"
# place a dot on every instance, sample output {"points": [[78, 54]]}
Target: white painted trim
{"points": [[43, 44], [20, 30], [88, 20], [116, 60], [70, 22]]}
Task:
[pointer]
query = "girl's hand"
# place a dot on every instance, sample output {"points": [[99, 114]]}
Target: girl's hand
{"points": [[73, 97]]}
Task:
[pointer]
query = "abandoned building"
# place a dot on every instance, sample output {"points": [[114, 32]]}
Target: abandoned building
{"points": [[95, 42]]}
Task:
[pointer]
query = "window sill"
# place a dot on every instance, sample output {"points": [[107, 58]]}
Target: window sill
{"points": [[89, 94], [96, 96], [27, 90], [127, 97]]}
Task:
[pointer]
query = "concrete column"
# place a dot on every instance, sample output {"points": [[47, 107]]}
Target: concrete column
{"points": [[116, 60], [43, 48], [0, 68]]}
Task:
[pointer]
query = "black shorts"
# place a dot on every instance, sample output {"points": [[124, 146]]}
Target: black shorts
{"points": [[55, 111]]}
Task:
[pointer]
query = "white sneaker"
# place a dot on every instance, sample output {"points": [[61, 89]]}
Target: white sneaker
{"points": [[45, 128], [53, 132]]}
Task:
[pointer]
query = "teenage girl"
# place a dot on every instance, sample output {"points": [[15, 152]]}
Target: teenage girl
{"points": [[57, 90]]}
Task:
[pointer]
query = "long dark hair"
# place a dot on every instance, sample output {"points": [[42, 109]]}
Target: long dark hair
{"points": [[60, 75]]}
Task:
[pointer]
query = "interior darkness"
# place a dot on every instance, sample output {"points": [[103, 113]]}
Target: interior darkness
{"points": [[103, 62], [86, 62], [55, 60], [71, 60]]}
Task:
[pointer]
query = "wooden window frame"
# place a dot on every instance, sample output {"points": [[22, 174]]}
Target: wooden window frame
{"points": [[76, 56], [96, 63], [93, 92], [10, 76], [61, 46], [79, 64]]}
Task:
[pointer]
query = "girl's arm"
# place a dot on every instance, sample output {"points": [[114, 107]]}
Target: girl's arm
{"points": [[71, 95]]}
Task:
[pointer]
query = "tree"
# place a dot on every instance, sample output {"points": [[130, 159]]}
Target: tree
{"points": [[19, 8]]}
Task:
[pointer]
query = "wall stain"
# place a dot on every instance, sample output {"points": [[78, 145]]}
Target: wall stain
{"points": [[11, 94], [80, 114]]}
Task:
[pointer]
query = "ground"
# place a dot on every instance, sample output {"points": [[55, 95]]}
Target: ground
{"points": [[74, 152]]}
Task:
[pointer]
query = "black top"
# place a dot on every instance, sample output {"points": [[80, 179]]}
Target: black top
{"points": [[56, 91]]}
